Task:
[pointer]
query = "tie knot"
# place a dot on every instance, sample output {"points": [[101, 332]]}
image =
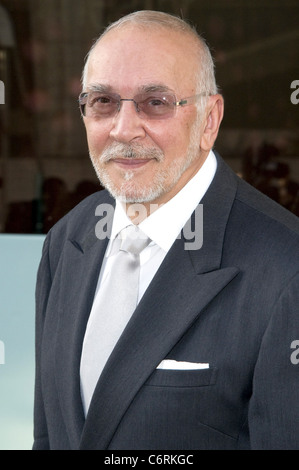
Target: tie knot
{"points": [[133, 240]]}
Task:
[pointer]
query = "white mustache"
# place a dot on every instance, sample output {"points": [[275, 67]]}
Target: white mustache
{"points": [[135, 151]]}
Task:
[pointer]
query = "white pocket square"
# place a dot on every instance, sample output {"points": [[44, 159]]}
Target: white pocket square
{"points": [[181, 365]]}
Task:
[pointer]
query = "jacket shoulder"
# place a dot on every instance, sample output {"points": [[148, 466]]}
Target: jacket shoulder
{"points": [[263, 235], [82, 218], [76, 226], [264, 208]]}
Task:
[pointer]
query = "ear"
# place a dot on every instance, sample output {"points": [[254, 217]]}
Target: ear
{"points": [[214, 115]]}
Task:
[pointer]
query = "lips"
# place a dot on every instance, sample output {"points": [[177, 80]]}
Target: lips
{"points": [[131, 163]]}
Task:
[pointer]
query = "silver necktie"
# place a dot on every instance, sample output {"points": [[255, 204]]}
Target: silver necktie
{"points": [[112, 309]]}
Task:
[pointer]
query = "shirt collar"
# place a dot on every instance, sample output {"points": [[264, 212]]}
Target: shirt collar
{"points": [[165, 224]]}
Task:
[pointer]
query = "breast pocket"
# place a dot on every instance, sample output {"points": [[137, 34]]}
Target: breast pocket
{"points": [[182, 378]]}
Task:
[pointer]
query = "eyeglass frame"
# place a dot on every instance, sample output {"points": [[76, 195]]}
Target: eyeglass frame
{"points": [[182, 102]]}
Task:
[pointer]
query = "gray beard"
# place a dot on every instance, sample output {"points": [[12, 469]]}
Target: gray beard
{"points": [[163, 181]]}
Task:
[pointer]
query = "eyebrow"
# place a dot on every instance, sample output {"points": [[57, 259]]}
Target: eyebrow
{"points": [[100, 88], [150, 88], [156, 87]]}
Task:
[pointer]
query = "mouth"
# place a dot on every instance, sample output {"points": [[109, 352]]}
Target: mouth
{"points": [[131, 163]]}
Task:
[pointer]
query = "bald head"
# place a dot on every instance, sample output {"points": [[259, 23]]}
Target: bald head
{"points": [[186, 35]]}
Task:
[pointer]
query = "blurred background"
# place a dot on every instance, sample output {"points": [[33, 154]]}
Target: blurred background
{"points": [[44, 164]]}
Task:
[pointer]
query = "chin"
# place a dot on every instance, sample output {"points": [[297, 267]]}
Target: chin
{"points": [[135, 196]]}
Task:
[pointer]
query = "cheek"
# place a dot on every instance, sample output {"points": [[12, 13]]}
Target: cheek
{"points": [[175, 139], [166, 139], [175, 146], [96, 138]]}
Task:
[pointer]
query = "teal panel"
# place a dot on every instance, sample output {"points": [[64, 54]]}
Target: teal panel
{"points": [[19, 259]]}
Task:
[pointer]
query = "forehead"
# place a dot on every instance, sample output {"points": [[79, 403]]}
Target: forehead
{"points": [[131, 57]]}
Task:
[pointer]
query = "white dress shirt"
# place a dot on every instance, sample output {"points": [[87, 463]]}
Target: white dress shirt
{"points": [[162, 226]]}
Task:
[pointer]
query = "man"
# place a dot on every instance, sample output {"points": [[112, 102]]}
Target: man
{"points": [[207, 359]]}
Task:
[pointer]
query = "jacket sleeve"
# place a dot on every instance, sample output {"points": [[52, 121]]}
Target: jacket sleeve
{"points": [[43, 285], [274, 406]]}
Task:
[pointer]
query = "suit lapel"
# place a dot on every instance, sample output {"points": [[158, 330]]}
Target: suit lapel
{"points": [[78, 284], [217, 205], [183, 286]]}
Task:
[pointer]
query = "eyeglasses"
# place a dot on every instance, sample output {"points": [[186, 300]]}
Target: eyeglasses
{"points": [[148, 105]]}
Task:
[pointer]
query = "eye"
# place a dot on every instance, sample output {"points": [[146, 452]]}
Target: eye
{"points": [[157, 102], [101, 100]]}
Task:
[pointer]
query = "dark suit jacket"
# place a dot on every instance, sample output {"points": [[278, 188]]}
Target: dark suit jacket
{"points": [[232, 304]]}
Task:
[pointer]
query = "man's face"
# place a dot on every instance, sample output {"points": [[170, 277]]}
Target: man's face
{"points": [[139, 159]]}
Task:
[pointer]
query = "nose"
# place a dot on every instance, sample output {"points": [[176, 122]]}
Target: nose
{"points": [[127, 124]]}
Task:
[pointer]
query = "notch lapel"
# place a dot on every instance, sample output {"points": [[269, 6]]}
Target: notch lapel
{"points": [[78, 284]]}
